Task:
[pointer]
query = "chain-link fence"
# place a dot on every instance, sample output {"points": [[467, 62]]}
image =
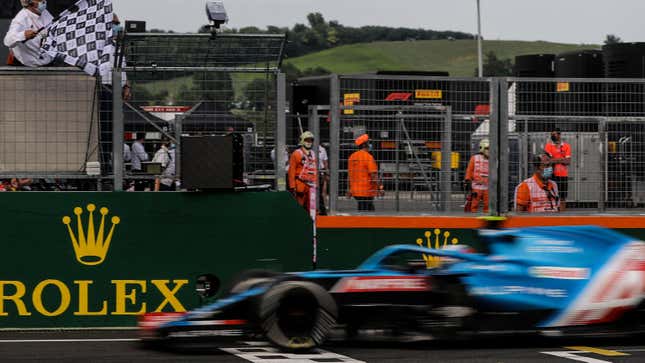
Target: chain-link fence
{"points": [[207, 85], [428, 134], [69, 131], [49, 122], [601, 126], [59, 127]]}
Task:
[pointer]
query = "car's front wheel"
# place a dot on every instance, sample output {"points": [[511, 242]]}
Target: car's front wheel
{"points": [[297, 315]]}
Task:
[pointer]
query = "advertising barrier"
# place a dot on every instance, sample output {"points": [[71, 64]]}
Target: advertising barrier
{"points": [[101, 259], [87, 260]]}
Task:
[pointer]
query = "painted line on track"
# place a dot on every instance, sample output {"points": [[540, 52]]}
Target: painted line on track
{"points": [[604, 352], [18, 341], [262, 352], [574, 356], [575, 353]]}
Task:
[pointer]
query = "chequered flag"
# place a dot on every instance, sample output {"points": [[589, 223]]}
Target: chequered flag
{"points": [[82, 36]]}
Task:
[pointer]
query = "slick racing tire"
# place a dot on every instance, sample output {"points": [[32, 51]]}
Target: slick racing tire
{"points": [[297, 315], [250, 278]]}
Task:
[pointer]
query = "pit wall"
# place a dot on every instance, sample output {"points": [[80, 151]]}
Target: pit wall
{"points": [[161, 243]]}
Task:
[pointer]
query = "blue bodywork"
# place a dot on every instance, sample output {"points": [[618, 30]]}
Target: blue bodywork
{"points": [[517, 272]]}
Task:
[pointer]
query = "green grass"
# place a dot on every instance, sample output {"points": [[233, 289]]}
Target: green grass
{"points": [[459, 57]]}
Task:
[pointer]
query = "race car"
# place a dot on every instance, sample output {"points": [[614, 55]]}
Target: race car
{"points": [[558, 279]]}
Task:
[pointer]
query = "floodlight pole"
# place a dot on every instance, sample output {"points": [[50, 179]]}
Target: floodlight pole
{"points": [[479, 42]]}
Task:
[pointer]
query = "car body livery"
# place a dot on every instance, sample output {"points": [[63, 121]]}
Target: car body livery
{"points": [[565, 279]]}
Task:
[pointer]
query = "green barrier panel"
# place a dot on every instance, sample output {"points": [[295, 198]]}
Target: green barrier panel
{"points": [[141, 253]]}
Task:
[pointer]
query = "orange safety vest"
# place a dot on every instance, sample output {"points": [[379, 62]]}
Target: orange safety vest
{"points": [[561, 151], [309, 171], [542, 201], [480, 174], [361, 165]]}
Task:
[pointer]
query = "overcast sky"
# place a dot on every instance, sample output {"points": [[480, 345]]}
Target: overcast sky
{"points": [[570, 21]]}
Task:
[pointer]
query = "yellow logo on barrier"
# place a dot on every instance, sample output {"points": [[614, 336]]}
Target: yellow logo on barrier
{"points": [[435, 241], [435, 94], [90, 247]]}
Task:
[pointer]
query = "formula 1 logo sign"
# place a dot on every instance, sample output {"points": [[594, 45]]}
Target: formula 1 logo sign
{"points": [[435, 241], [399, 96]]}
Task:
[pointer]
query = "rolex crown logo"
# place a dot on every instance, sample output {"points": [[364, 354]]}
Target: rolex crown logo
{"points": [[90, 247], [435, 241]]}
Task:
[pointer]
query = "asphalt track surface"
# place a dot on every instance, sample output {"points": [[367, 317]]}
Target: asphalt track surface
{"points": [[122, 346]]}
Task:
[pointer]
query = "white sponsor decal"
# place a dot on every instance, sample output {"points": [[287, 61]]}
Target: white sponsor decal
{"points": [[381, 284], [553, 246], [523, 290], [562, 273]]}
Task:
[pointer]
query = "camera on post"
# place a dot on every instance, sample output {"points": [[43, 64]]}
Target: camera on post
{"points": [[216, 14]]}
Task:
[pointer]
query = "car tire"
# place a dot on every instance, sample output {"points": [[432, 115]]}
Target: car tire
{"points": [[297, 315]]}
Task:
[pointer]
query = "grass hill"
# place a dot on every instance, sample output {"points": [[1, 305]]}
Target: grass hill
{"points": [[459, 57]]}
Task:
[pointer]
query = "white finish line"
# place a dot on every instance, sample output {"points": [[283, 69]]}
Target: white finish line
{"points": [[573, 355], [262, 352], [65, 340]]}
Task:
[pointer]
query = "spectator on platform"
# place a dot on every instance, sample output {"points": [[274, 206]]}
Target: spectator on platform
{"points": [[139, 154], [538, 194], [127, 153], [26, 33], [167, 182]]}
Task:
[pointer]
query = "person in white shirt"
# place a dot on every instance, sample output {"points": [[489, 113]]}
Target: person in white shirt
{"points": [[127, 153], [323, 166], [138, 152], [167, 181], [285, 157], [27, 31]]}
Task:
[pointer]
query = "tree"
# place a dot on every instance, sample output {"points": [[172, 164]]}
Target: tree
{"points": [[214, 89], [495, 67], [612, 39]]}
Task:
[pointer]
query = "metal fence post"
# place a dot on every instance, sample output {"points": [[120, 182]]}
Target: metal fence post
{"points": [[117, 131], [494, 153], [397, 161], [446, 161], [178, 146], [603, 195], [505, 151], [334, 148], [281, 134]]}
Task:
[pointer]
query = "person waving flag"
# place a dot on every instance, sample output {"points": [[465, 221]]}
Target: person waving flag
{"points": [[82, 37]]}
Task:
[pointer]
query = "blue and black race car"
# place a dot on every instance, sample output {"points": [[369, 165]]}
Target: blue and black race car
{"points": [[560, 279]]}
